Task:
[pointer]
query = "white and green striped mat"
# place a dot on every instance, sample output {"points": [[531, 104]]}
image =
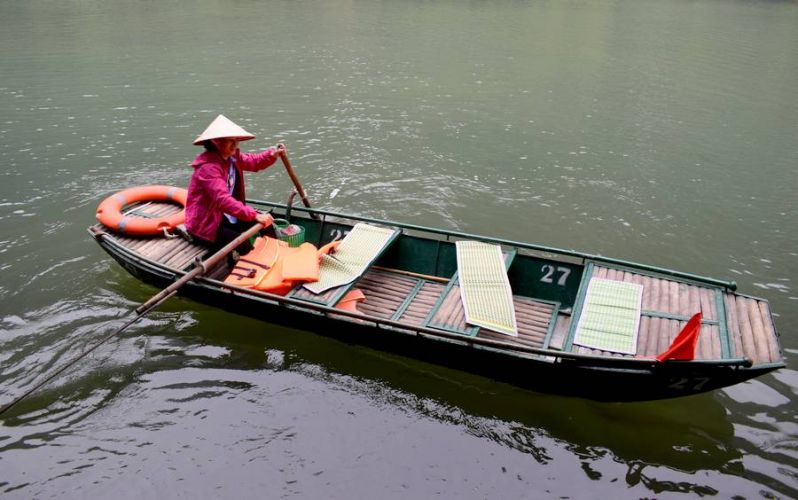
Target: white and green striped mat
{"points": [[610, 316], [359, 248], [484, 287]]}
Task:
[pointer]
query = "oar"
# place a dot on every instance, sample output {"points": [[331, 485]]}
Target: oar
{"points": [[295, 180], [198, 270]]}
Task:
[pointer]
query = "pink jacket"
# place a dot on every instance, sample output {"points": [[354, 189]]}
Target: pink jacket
{"points": [[209, 196]]}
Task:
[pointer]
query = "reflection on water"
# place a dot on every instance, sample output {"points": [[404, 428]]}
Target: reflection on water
{"points": [[186, 373], [657, 131], [205, 377]]}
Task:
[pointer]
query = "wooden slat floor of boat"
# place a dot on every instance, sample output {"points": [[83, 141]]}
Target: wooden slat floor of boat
{"points": [[422, 304], [751, 329], [175, 253], [532, 318], [305, 294], [668, 297], [748, 320], [656, 334], [220, 272], [386, 292]]}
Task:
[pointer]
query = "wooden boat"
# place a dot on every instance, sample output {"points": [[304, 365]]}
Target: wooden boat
{"points": [[413, 307]]}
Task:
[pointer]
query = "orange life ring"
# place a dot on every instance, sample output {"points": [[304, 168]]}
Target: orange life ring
{"points": [[110, 210]]}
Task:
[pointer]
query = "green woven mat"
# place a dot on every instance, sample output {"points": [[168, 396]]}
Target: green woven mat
{"points": [[484, 287], [610, 316], [359, 248]]}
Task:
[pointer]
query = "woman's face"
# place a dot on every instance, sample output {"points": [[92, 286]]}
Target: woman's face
{"points": [[226, 146]]}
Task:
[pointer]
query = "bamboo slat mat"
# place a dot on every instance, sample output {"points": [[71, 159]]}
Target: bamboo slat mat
{"points": [[484, 287], [359, 248], [610, 316]]}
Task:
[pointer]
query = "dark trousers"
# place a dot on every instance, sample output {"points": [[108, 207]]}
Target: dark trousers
{"points": [[229, 231]]}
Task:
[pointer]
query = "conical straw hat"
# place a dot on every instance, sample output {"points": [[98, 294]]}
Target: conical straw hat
{"points": [[223, 127]]}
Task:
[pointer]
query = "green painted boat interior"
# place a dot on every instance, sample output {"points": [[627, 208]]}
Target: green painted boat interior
{"points": [[558, 279], [432, 252]]}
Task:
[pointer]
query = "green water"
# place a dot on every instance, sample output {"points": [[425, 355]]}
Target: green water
{"points": [[662, 131]]}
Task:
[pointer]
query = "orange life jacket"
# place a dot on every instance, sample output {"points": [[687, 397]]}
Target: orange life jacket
{"points": [[273, 266]]}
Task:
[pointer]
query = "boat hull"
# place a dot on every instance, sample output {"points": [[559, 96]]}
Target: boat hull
{"points": [[596, 379]]}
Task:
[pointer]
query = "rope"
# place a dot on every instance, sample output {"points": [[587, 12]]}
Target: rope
{"points": [[80, 356], [200, 268]]}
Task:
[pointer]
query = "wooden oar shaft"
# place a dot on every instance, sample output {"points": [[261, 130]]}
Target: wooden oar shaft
{"points": [[294, 178], [201, 268]]}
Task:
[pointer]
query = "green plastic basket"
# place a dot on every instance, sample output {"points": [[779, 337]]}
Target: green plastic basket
{"points": [[290, 233]]}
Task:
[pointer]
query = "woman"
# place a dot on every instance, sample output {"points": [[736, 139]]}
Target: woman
{"points": [[215, 210]]}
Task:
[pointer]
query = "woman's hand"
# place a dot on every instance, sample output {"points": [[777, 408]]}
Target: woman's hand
{"points": [[265, 219], [279, 149]]}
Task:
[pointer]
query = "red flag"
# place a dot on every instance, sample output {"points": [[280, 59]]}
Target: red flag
{"points": [[683, 346]]}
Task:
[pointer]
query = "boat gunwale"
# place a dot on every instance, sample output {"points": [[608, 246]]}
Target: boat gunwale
{"points": [[630, 265]]}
